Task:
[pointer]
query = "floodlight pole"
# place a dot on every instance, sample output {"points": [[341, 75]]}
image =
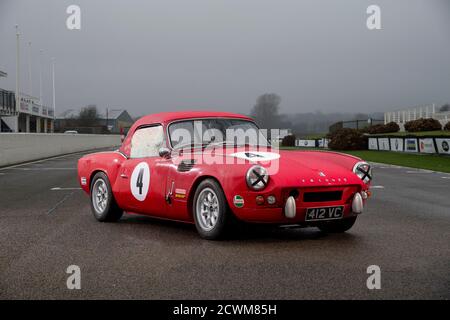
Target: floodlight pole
{"points": [[40, 77], [53, 85], [17, 68], [30, 79]]}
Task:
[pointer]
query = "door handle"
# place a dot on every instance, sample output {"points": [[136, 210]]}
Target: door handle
{"points": [[123, 175]]}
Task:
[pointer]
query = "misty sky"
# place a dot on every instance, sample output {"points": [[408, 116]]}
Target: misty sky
{"points": [[161, 55]]}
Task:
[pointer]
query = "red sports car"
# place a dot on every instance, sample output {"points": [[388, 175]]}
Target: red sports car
{"points": [[215, 168]]}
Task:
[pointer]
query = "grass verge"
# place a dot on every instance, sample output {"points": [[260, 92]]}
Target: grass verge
{"points": [[420, 161]]}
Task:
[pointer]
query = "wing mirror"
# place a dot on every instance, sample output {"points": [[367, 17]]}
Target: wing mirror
{"points": [[164, 152]]}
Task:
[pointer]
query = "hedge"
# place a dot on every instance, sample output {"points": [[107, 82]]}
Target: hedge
{"points": [[384, 128], [288, 141], [447, 126], [347, 139], [428, 124]]}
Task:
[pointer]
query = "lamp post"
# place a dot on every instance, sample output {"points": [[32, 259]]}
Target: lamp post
{"points": [[17, 68], [40, 77], [53, 85], [30, 79]]}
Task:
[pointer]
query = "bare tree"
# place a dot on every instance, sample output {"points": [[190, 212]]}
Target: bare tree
{"points": [[445, 107], [266, 109], [88, 115]]}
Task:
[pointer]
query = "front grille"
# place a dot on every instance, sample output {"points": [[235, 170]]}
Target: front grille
{"points": [[322, 196]]}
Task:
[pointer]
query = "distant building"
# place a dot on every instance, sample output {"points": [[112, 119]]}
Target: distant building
{"points": [[112, 121], [30, 116], [116, 119]]}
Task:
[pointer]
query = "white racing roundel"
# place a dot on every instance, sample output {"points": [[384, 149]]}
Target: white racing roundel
{"points": [[256, 155], [140, 181]]}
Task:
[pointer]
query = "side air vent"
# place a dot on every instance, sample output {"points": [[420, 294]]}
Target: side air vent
{"points": [[186, 165]]}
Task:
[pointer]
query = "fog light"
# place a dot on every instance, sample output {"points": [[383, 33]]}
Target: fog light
{"points": [[364, 195], [271, 199], [259, 200]]}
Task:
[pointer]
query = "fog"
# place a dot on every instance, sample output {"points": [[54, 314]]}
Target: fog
{"points": [[159, 55]]}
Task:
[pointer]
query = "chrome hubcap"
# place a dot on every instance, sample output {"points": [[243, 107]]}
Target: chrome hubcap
{"points": [[207, 209], [99, 196]]}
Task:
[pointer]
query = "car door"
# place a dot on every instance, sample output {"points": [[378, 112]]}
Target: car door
{"points": [[142, 176]]}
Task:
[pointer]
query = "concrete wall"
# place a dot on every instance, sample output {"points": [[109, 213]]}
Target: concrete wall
{"points": [[22, 147]]}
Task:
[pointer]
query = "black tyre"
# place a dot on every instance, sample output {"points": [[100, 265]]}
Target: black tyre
{"points": [[103, 204], [210, 209], [337, 226]]}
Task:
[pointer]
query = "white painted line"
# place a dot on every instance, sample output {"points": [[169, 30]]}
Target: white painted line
{"points": [[419, 171], [376, 187], [67, 196], [445, 177], [58, 189], [52, 158]]}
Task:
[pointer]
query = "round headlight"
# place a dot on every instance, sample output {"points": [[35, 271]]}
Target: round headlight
{"points": [[257, 178], [364, 171]]}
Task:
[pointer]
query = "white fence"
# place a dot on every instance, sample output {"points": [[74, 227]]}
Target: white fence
{"points": [[22, 147], [403, 116]]}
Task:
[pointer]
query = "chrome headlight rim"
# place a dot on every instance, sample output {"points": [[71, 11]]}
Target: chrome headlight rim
{"points": [[364, 174], [257, 177]]}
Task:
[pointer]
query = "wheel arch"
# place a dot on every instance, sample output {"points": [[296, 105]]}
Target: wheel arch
{"points": [[91, 177]]}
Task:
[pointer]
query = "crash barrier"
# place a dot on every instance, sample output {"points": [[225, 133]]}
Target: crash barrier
{"points": [[22, 147], [312, 143], [412, 144]]}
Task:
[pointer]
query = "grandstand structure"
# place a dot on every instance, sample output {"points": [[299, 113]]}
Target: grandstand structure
{"points": [[405, 115], [30, 116]]}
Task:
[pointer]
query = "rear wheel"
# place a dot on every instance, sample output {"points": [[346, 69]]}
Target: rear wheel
{"points": [[211, 214], [337, 226], [103, 204]]}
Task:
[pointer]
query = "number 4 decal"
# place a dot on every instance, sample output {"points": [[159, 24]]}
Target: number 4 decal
{"points": [[140, 181]]}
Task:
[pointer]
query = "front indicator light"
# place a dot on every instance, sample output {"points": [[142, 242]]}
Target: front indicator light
{"points": [[271, 199]]}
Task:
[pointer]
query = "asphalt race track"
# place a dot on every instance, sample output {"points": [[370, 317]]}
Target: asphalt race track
{"points": [[405, 231]]}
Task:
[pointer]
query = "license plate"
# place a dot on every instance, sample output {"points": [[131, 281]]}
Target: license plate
{"points": [[324, 213]]}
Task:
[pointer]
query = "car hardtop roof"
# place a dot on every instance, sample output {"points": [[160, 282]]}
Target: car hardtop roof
{"points": [[165, 117]]}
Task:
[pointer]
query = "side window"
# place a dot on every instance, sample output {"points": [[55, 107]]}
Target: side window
{"points": [[147, 141]]}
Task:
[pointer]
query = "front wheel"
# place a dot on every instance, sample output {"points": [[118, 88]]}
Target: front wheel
{"points": [[103, 204], [337, 226], [210, 210]]}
